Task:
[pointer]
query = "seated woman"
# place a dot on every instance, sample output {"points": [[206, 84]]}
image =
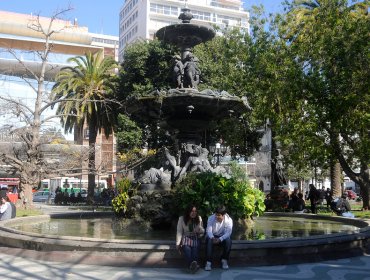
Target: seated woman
{"points": [[299, 205], [5, 209], [189, 230]]}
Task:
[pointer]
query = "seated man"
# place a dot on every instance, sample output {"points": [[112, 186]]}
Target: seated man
{"points": [[341, 206], [219, 228]]}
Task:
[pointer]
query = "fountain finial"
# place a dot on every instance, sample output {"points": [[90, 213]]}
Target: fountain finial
{"points": [[186, 15]]}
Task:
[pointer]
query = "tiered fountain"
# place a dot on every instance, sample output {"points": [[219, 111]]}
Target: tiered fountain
{"points": [[185, 111]]}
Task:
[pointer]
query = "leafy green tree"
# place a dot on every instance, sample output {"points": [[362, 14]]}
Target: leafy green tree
{"points": [[146, 67], [226, 64], [330, 40], [128, 134], [87, 90]]}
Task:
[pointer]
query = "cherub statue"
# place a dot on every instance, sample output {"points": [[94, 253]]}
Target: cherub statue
{"points": [[178, 71], [191, 72]]}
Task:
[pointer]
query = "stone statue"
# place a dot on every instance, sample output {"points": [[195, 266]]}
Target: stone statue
{"points": [[178, 71], [172, 162], [197, 160], [278, 177], [155, 176], [191, 72]]}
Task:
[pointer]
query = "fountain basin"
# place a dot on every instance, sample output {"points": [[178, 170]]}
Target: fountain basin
{"points": [[163, 252], [172, 109], [185, 35]]}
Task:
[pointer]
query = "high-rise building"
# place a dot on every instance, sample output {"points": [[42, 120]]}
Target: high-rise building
{"points": [[140, 19]]}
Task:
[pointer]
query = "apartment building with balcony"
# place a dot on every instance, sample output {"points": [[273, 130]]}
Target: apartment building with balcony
{"points": [[139, 20]]}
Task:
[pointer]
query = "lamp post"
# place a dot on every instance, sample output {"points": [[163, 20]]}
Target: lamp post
{"points": [[217, 150]]}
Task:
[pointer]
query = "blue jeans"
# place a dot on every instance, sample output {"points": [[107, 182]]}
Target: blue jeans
{"points": [[191, 253], [226, 245]]}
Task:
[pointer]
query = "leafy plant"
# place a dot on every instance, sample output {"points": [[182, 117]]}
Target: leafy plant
{"points": [[119, 203], [209, 190]]}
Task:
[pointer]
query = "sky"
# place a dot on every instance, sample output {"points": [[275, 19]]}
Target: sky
{"points": [[98, 16]]}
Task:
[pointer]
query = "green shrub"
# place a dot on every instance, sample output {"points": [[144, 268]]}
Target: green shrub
{"points": [[209, 190], [119, 203], [123, 185]]}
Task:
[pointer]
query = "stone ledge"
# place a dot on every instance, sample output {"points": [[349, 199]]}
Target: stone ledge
{"points": [[160, 253]]}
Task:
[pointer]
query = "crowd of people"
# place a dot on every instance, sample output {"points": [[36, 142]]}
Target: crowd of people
{"points": [[296, 201]]}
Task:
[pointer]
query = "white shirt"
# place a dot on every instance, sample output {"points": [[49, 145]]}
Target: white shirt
{"points": [[5, 211], [222, 229], [4, 207]]}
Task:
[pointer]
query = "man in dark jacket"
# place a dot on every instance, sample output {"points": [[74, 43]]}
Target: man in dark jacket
{"points": [[314, 197]]}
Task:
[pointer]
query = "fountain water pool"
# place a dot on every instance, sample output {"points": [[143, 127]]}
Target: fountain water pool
{"points": [[352, 240], [265, 227]]}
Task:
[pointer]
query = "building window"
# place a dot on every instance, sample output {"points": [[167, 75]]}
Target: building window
{"points": [[164, 9], [201, 15]]}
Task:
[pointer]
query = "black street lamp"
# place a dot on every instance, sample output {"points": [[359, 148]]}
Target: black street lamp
{"points": [[217, 150]]}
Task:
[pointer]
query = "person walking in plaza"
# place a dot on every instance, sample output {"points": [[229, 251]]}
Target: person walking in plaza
{"points": [[313, 196], [218, 232], [189, 231], [328, 197], [5, 209]]}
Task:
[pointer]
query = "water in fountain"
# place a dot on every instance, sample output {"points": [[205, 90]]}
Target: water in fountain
{"points": [[268, 227]]}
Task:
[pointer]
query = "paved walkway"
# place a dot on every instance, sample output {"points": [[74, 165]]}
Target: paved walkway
{"points": [[13, 267]]}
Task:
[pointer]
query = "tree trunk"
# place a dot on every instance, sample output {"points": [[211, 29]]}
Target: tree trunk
{"points": [[364, 184], [25, 196], [91, 163], [335, 178], [362, 179]]}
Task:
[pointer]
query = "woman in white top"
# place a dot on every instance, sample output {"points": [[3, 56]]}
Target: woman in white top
{"points": [[5, 209], [189, 230]]}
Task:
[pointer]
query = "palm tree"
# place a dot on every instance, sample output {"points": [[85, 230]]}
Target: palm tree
{"points": [[84, 93]]}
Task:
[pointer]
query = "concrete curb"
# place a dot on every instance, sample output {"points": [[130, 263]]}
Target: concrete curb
{"points": [[163, 253]]}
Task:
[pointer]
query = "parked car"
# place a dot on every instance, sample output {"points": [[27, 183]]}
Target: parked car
{"points": [[351, 194], [42, 196]]}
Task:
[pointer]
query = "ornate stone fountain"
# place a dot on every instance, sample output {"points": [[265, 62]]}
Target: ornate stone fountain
{"points": [[185, 111], [188, 111]]}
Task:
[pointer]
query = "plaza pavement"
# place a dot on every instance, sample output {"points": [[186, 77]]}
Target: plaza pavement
{"points": [[14, 266]]}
